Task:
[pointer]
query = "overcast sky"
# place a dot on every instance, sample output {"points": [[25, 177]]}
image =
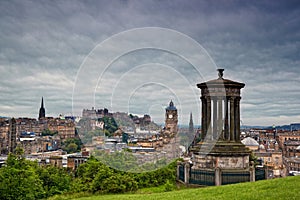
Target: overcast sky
{"points": [[79, 54]]}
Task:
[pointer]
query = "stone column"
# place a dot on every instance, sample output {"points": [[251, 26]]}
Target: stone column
{"points": [[208, 115], [237, 119], [252, 174], [232, 128], [187, 168], [218, 177], [220, 119], [204, 119], [215, 119], [226, 126]]}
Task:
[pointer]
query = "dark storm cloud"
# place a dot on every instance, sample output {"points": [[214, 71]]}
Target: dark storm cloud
{"points": [[43, 44]]}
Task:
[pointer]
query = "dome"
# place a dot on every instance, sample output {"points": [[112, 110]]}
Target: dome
{"points": [[248, 141], [171, 106]]}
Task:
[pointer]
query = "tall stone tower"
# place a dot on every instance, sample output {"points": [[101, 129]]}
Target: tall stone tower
{"points": [[171, 120], [42, 112], [12, 136]]}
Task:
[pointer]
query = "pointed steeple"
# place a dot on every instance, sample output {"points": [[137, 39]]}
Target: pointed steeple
{"points": [[42, 112], [191, 124], [42, 104]]}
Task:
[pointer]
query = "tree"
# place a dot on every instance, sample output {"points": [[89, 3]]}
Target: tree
{"points": [[47, 132], [54, 180], [72, 145], [86, 173], [19, 180], [72, 148]]}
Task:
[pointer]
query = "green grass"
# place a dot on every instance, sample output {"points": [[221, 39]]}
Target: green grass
{"points": [[284, 188]]}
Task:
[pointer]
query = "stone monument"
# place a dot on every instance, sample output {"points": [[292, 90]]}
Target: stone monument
{"points": [[220, 157]]}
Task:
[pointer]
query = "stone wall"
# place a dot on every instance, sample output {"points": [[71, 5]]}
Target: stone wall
{"points": [[223, 162]]}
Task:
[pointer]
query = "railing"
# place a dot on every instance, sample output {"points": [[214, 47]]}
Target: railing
{"points": [[181, 173], [235, 177], [202, 177], [260, 174]]}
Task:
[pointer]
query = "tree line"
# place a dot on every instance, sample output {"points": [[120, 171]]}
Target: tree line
{"points": [[24, 179]]}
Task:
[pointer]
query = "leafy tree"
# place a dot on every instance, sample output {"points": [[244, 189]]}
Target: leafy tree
{"points": [[98, 182], [253, 159], [110, 125], [124, 161], [19, 180], [72, 145], [54, 180], [86, 173], [47, 132], [24, 179], [72, 148]]}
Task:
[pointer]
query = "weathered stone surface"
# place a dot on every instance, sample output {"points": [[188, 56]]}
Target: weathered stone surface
{"points": [[220, 149]]}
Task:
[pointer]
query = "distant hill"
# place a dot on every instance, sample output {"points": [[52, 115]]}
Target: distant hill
{"points": [[294, 126]]}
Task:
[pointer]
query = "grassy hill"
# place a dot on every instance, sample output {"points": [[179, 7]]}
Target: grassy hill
{"points": [[284, 188]]}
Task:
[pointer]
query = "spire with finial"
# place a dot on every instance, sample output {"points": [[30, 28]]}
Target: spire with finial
{"points": [[220, 73], [42, 112], [171, 103], [191, 124], [42, 104]]}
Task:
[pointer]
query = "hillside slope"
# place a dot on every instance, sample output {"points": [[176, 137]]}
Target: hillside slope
{"points": [[284, 188]]}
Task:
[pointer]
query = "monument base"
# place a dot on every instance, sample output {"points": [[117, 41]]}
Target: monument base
{"points": [[223, 155], [220, 163]]}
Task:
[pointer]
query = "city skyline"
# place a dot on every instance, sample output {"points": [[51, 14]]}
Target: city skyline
{"points": [[44, 45]]}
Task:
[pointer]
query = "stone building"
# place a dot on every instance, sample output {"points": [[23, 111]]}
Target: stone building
{"points": [[291, 148], [293, 165], [65, 128], [56, 161], [289, 142], [95, 113], [164, 144], [269, 158], [272, 160], [74, 161], [4, 127], [29, 133]]}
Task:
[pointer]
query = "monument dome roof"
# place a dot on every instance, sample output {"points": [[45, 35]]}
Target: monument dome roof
{"points": [[221, 82]]}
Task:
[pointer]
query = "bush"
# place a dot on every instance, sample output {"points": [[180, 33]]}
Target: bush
{"points": [[169, 186]]}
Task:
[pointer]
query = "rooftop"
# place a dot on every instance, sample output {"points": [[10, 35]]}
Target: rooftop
{"points": [[171, 106], [248, 141], [221, 82]]}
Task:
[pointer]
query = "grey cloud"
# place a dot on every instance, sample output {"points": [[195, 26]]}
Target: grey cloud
{"points": [[43, 43]]}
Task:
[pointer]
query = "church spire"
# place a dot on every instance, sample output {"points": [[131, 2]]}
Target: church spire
{"points": [[191, 124], [42, 104], [42, 110]]}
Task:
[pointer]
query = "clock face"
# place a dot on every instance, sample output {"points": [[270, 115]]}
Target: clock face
{"points": [[170, 116]]}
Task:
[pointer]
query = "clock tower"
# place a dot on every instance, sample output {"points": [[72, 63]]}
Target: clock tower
{"points": [[171, 118]]}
